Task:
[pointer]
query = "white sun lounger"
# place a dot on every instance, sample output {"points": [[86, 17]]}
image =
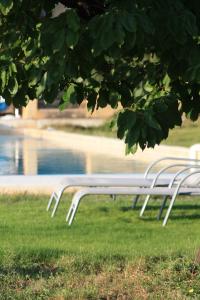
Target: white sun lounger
{"points": [[105, 180], [172, 183], [184, 187], [144, 179], [156, 181]]}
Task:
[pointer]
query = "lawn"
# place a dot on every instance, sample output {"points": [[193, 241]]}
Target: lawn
{"points": [[186, 135], [108, 253], [103, 130]]}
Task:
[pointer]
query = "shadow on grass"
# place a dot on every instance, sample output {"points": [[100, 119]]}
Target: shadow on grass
{"points": [[36, 262], [137, 208], [186, 206], [44, 270], [83, 264], [157, 207], [104, 209], [188, 217], [32, 270], [171, 217]]}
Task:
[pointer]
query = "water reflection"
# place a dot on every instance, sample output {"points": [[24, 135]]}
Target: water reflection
{"points": [[10, 159], [31, 156]]}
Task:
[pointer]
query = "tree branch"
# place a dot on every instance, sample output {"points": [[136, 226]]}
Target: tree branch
{"points": [[86, 9]]}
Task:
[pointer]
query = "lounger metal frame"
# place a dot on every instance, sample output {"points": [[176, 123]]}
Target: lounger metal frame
{"points": [[166, 191], [97, 180]]}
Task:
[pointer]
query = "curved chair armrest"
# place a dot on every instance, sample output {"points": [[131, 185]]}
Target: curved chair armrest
{"points": [[185, 178], [155, 181], [176, 192], [155, 162], [167, 168], [182, 171]]}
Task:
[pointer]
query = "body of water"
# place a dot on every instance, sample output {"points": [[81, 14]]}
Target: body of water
{"points": [[30, 156]]}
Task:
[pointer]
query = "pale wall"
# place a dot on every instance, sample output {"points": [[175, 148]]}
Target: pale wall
{"points": [[32, 112]]}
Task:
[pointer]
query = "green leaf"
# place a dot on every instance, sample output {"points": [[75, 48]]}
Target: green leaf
{"points": [[166, 80], [5, 6], [58, 40], [126, 120], [114, 98], [105, 35], [193, 114], [191, 24], [151, 121], [148, 87], [106, 31], [193, 73], [69, 95], [3, 79], [146, 23], [72, 38], [131, 150], [13, 68], [91, 100], [126, 95], [34, 76], [41, 85], [119, 33], [128, 21], [13, 85], [133, 134], [73, 20]]}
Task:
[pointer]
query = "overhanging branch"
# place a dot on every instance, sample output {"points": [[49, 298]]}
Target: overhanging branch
{"points": [[86, 9]]}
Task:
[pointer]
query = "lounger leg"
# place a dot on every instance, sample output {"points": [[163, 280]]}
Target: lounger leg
{"points": [[135, 201], [70, 210], [162, 207], [144, 205], [50, 201], [75, 207], [57, 197], [53, 196], [76, 200], [170, 208]]}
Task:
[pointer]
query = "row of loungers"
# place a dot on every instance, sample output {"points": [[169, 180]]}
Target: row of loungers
{"points": [[184, 182]]}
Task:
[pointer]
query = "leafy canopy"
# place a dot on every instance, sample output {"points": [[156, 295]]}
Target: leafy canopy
{"points": [[143, 55]]}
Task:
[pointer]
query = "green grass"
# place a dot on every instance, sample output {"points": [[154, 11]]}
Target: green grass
{"points": [[103, 130], [186, 135], [108, 253]]}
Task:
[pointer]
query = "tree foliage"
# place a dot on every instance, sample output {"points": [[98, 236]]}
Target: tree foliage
{"points": [[143, 55]]}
